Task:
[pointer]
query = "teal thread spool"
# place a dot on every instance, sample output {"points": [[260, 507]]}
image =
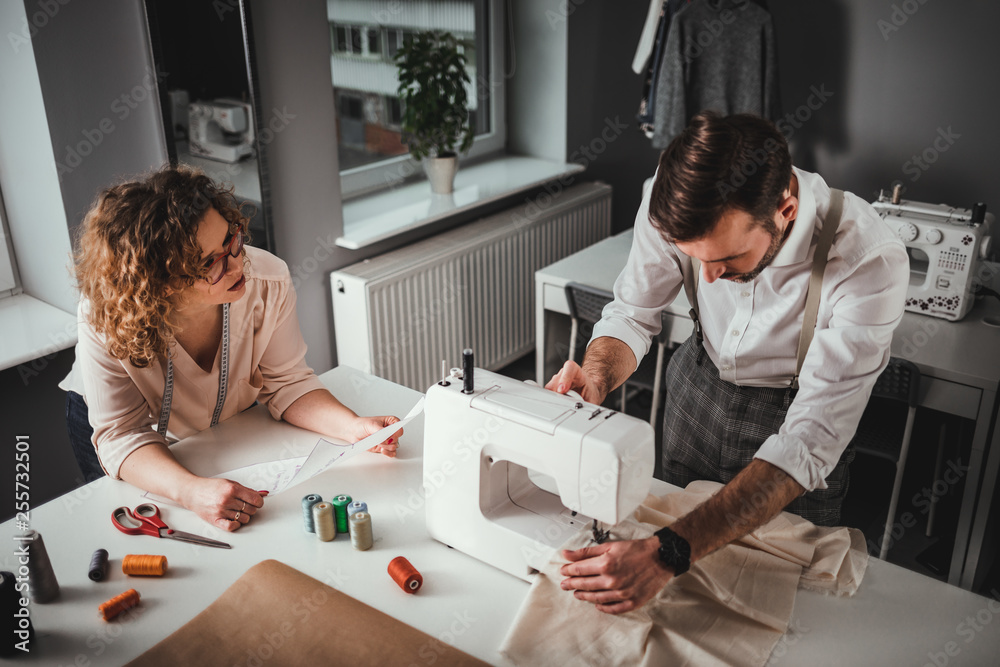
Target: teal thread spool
{"points": [[307, 511], [340, 504]]}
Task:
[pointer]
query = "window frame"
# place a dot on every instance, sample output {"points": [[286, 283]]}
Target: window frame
{"points": [[10, 282], [392, 171]]}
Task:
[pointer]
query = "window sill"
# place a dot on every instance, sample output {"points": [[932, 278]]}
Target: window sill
{"points": [[33, 329], [383, 215]]}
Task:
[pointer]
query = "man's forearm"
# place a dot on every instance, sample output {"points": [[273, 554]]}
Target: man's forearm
{"points": [[609, 362], [751, 499]]}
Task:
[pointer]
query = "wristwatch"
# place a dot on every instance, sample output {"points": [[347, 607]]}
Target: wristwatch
{"points": [[675, 552]]}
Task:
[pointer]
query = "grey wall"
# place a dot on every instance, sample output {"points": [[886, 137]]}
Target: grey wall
{"points": [[100, 95], [890, 96]]}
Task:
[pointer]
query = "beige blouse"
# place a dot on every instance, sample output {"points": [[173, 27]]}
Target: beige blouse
{"points": [[266, 364]]}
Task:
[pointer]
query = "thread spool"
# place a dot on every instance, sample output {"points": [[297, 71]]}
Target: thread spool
{"points": [[361, 530], [144, 565], [340, 504], [98, 565], [118, 604], [10, 604], [307, 511], [326, 526], [44, 586], [356, 506], [405, 575]]}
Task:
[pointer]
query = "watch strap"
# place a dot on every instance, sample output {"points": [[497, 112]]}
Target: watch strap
{"points": [[674, 551]]}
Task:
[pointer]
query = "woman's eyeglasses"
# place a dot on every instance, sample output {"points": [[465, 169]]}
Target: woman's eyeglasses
{"points": [[220, 265]]}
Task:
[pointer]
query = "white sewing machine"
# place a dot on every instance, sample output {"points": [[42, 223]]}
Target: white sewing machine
{"points": [[945, 245], [484, 432], [221, 130]]}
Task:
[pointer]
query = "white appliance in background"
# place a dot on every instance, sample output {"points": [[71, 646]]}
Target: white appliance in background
{"points": [[484, 434], [179, 102], [946, 245], [221, 129]]}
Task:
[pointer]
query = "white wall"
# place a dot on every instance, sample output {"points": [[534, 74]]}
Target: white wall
{"points": [[28, 178]]}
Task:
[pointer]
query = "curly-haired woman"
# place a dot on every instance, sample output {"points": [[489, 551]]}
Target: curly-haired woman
{"points": [[182, 326]]}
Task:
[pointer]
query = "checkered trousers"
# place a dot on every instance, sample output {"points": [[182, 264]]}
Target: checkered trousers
{"points": [[712, 429]]}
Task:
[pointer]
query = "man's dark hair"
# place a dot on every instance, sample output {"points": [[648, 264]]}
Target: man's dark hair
{"points": [[716, 164]]}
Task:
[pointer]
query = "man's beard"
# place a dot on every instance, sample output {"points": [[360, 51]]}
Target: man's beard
{"points": [[777, 239]]}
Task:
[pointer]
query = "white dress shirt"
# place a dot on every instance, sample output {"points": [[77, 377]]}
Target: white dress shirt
{"points": [[751, 329]]}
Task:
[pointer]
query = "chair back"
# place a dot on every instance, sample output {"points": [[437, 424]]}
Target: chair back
{"points": [[899, 381], [587, 303]]}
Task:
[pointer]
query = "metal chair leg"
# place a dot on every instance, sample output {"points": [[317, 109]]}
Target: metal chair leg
{"points": [[898, 483]]}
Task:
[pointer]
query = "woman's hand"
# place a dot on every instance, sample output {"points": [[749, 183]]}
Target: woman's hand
{"points": [[365, 426], [225, 504]]}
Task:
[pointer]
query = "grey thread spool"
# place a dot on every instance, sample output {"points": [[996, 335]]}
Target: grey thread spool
{"points": [[307, 511], [98, 565], [44, 586], [326, 527], [361, 530]]}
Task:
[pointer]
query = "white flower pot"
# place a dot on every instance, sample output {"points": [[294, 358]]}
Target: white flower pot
{"points": [[441, 173]]}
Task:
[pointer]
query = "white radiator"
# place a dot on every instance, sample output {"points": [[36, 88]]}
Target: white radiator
{"points": [[399, 314]]}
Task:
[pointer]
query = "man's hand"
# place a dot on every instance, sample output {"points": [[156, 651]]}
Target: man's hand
{"points": [[616, 576], [572, 377], [606, 365]]}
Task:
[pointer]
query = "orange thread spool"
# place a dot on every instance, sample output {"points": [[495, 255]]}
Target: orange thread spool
{"points": [[118, 604], [404, 574], [144, 565]]}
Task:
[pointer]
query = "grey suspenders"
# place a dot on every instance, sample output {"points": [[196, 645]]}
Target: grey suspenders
{"points": [[168, 383], [830, 224]]}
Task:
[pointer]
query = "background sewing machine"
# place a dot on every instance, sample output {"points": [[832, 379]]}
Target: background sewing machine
{"points": [[945, 245], [222, 129], [484, 432]]}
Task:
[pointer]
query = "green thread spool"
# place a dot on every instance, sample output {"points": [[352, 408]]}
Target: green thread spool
{"points": [[340, 504]]}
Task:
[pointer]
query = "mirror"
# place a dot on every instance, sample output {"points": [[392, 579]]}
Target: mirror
{"points": [[204, 58]]}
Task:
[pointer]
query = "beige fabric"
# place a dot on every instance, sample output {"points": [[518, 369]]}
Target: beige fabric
{"points": [[275, 616], [729, 609], [266, 362]]}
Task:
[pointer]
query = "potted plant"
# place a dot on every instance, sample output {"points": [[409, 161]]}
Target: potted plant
{"points": [[432, 92]]}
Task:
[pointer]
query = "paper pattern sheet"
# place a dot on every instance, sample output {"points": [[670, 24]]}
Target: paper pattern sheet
{"points": [[277, 476]]}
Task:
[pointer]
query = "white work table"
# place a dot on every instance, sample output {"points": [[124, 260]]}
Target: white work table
{"points": [[897, 617], [959, 363]]}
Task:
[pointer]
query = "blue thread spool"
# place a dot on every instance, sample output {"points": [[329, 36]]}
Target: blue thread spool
{"points": [[356, 506], [307, 511]]}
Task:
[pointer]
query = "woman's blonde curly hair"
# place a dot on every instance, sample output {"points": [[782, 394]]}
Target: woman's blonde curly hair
{"points": [[137, 246]]}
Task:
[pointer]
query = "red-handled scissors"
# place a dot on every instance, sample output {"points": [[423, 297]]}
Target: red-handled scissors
{"points": [[145, 520]]}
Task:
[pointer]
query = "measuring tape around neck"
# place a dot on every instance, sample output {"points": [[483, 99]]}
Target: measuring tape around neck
{"points": [[168, 383]]}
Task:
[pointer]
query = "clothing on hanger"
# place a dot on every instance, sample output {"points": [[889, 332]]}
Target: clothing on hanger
{"points": [[718, 54]]}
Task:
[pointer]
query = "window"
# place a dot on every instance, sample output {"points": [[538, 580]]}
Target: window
{"points": [[8, 277], [370, 147]]}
